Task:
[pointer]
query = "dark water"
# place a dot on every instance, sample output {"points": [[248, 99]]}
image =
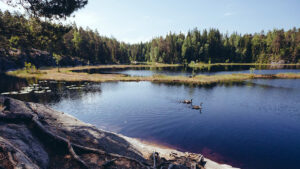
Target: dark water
{"points": [[255, 124], [187, 71]]}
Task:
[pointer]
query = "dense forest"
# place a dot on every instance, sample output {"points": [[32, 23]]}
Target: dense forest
{"points": [[20, 35]]}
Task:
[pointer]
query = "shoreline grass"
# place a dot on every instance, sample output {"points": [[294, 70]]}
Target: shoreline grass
{"points": [[199, 65], [119, 66], [157, 65], [66, 74]]}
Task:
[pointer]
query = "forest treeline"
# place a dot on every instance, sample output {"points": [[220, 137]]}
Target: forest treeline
{"points": [[210, 46]]}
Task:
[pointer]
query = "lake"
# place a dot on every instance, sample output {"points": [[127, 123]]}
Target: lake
{"points": [[253, 124]]}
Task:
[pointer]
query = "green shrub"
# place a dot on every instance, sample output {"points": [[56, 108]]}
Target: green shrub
{"points": [[252, 69], [57, 60], [30, 68], [192, 63], [14, 41]]}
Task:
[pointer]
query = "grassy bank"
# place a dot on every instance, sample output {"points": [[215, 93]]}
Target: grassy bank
{"points": [[154, 64], [121, 66], [201, 65], [66, 74]]}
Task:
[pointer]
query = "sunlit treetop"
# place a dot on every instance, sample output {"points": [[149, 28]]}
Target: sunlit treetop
{"points": [[53, 9]]}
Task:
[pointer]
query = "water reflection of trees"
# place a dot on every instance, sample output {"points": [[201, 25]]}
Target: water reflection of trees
{"points": [[10, 83], [59, 90], [205, 86], [188, 70]]}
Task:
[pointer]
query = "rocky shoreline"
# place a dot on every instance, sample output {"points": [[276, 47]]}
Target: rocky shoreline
{"points": [[33, 136]]}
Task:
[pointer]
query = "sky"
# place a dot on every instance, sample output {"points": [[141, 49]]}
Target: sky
{"points": [[134, 21]]}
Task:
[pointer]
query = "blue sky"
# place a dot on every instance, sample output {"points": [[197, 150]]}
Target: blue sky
{"points": [[140, 20]]}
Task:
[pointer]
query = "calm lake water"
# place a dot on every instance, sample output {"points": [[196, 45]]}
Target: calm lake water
{"points": [[186, 71], [254, 124]]}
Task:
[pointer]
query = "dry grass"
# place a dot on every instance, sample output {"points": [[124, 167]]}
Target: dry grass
{"points": [[119, 66], [288, 75], [66, 74], [239, 64]]}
